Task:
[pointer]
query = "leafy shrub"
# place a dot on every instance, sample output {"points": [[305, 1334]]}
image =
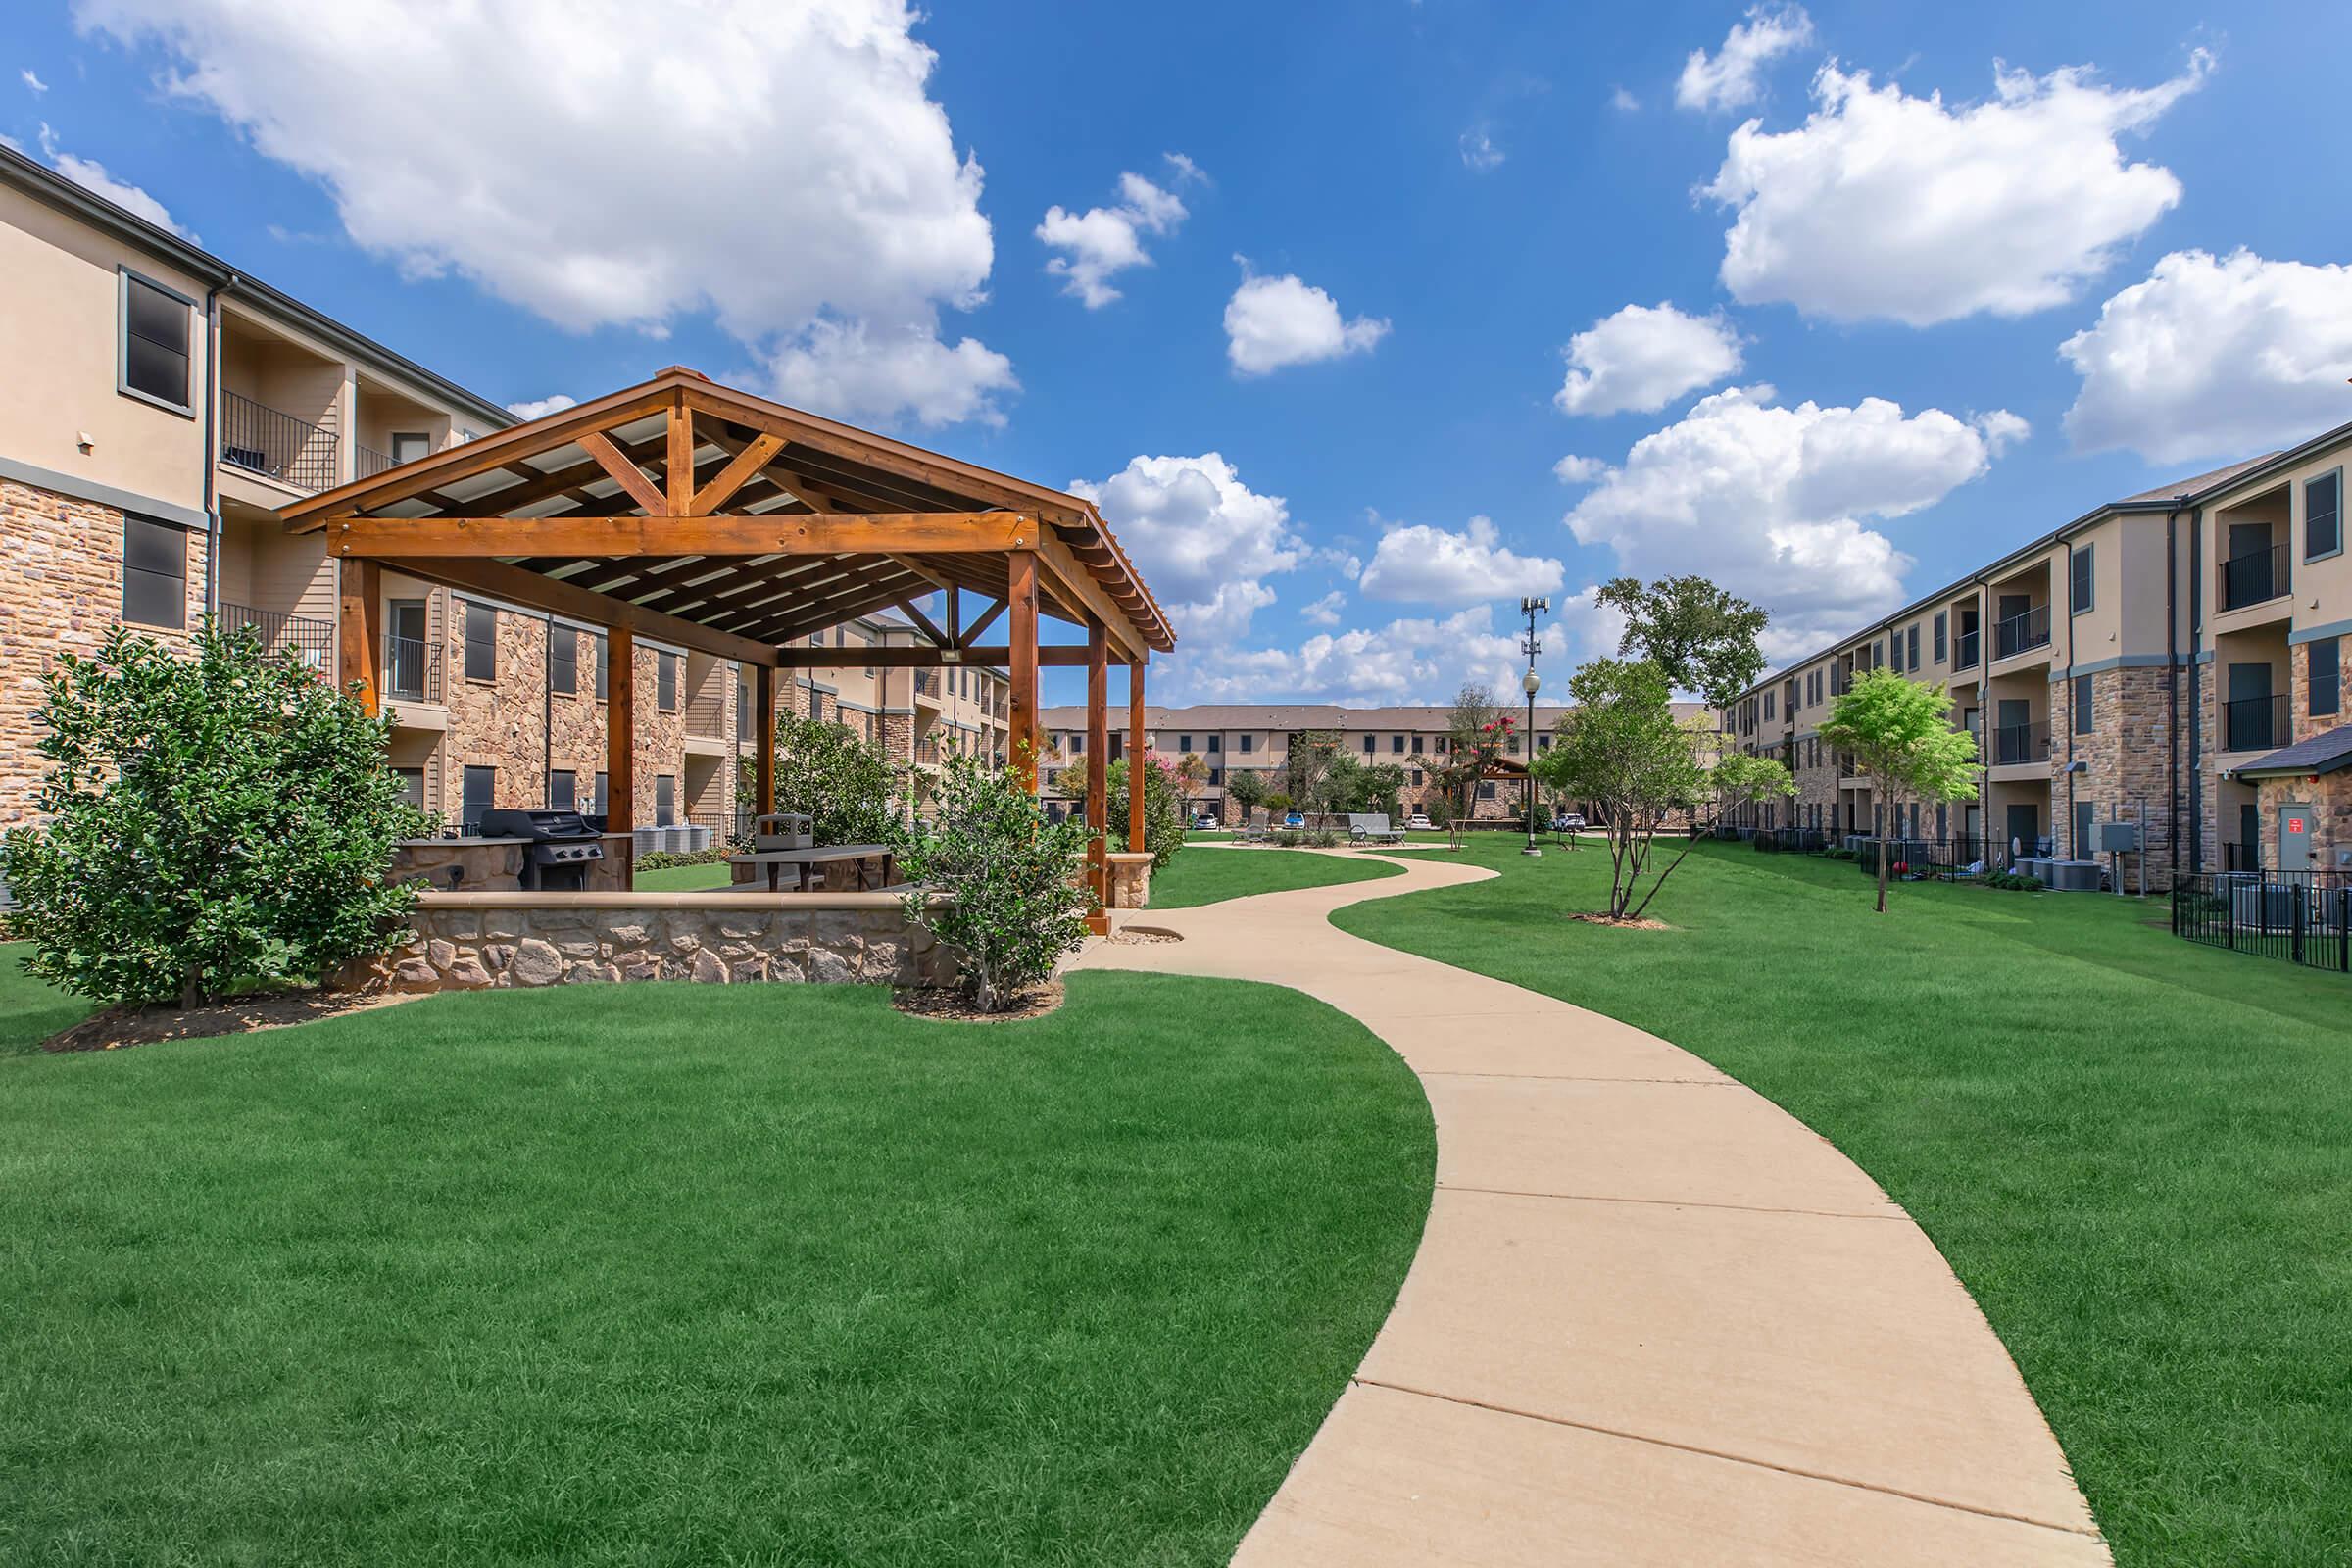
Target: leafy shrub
{"points": [[1012, 874], [214, 821], [663, 860], [2013, 882], [1164, 807], [848, 789]]}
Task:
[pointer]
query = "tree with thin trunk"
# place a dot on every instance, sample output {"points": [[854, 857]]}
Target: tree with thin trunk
{"points": [[1476, 730], [1621, 746], [1901, 736], [1247, 787], [1703, 637]]}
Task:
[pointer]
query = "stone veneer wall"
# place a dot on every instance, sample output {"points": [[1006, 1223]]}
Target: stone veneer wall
{"points": [[2127, 774], [577, 740], [61, 591], [499, 723], [482, 941]]}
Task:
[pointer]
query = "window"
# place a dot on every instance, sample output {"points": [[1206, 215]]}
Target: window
{"points": [[1397, 745], [2083, 704], [563, 660], [1215, 744], [599, 803], [604, 670], [1941, 618], [1768, 708], [480, 785], [1183, 743], [1216, 775], [2326, 669], [2324, 515], [410, 445], [1486, 792], [482, 642], [1416, 778], [154, 353], [1078, 746], [1248, 744], [1911, 647], [155, 573], [411, 785], [666, 799], [2079, 600], [1368, 746], [563, 789], [666, 683]]}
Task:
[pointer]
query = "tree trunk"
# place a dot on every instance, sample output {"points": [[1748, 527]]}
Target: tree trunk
{"points": [[1882, 873]]}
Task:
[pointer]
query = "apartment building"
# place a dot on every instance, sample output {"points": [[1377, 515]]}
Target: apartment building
{"points": [[162, 405], [2149, 662], [1227, 738]]}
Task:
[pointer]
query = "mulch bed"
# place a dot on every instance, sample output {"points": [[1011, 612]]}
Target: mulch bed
{"points": [[1140, 935], [949, 1004], [118, 1027], [1646, 923]]}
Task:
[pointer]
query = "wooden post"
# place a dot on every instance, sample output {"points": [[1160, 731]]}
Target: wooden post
{"points": [[359, 627], [678, 462], [621, 730], [1021, 595], [1098, 783], [764, 741], [1135, 755]]}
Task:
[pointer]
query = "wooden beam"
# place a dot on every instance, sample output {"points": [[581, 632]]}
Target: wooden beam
{"points": [[621, 730], [923, 622], [731, 478], [677, 469], [764, 741], [997, 656], [1020, 592], [359, 632], [971, 633], [534, 592], [1083, 597], [837, 533], [1098, 774], [625, 473], [1135, 757]]}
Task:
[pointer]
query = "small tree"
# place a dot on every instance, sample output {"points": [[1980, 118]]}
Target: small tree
{"points": [[1015, 902], [1903, 738], [1313, 767], [1164, 807], [213, 820], [1621, 746], [848, 789], [1703, 638], [1247, 786]]}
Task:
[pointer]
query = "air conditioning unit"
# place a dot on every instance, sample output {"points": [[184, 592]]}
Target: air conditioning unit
{"points": [[2263, 906], [2075, 876]]}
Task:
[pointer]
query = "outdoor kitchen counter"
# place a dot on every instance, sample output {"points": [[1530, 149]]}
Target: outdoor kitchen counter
{"points": [[497, 862]]}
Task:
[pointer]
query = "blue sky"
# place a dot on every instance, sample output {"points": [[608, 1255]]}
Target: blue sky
{"points": [[1329, 413]]}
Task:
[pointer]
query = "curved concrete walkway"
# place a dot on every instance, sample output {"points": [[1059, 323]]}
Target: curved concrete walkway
{"points": [[1654, 1318]]}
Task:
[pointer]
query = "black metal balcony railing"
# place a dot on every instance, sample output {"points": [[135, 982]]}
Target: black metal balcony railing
{"points": [[310, 641], [2255, 723], [1964, 649], [411, 669], [2253, 578], [706, 715], [366, 462], [2021, 632], [257, 437], [2021, 743]]}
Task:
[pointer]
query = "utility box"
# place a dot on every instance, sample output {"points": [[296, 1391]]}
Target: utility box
{"points": [[2119, 838]]}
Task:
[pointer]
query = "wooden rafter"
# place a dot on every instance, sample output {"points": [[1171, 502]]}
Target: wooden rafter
{"points": [[755, 534], [624, 473]]}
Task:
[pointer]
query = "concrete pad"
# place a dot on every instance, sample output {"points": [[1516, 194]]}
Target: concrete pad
{"points": [[1837, 1347], [1554, 1043], [1419, 1483], [1664, 1142]]}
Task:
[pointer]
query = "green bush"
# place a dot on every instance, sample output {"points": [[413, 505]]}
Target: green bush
{"points": [[665, 860], [214, 821], [1019, 904], [2013, 882], [1164, 807], [848, 788]]}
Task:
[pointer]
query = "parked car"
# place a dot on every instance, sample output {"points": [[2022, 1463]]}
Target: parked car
{"points": [[1293, 819], [1417, 822], [1203, 821], [1568, 822]]}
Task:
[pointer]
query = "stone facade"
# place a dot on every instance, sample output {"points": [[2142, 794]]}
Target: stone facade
{"points": [[473, 942], [2126, 773], [61, 591], [1130, 878], [499, 723], [577, 739]]}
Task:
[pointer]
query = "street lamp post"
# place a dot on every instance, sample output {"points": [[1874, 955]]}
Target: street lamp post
{"points": [[1532, 608]]}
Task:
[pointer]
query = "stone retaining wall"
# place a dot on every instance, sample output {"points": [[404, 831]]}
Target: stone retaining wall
{"points": [[479, 940]]}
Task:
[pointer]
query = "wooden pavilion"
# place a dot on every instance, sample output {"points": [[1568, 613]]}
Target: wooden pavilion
{"points": [[691, 512]]}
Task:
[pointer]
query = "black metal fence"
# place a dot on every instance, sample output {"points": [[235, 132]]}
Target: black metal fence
{"points": [[1958, 857], [2300, 916], [310, 641], [261, 438]]}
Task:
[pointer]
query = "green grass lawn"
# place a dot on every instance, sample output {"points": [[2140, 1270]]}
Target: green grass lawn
{"points": [[684, 878], [675, 1274], [1215, 875], [29, 1011], [2136, 1153]]}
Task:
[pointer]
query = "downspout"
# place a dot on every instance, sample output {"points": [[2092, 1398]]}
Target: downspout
{"points": [[2197, 696], [2171, 701], [2074, 836], [211, 455]]}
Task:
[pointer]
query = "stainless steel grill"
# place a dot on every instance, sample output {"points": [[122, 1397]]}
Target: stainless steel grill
{"points": [[562, 846]]}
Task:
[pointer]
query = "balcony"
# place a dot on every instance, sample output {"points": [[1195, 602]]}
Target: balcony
{"points": [[411, 669], [366, 462], [2015, 744], [1964, 649], [2020, 633], [2253, 578], [262, 440], [2256, 724], [706, 713], [312, 642]]}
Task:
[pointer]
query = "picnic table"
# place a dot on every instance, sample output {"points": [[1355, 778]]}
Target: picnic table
{"points": [[774, 862]]}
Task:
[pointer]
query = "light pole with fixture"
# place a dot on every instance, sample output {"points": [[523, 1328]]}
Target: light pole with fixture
{"points": [[1531, 608]]}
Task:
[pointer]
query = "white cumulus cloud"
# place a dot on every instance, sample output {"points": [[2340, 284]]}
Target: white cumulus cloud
{"points": [[1428, 565], [1883, 205], [32, 81], [1727, 78], [92, 177], [539, 407], [1102, 240], [1773, 500], [1202, 539], [1326, 611], [1573, 470], [1644, 357], [1274, 322], [600, 163], [2215, 357]]}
